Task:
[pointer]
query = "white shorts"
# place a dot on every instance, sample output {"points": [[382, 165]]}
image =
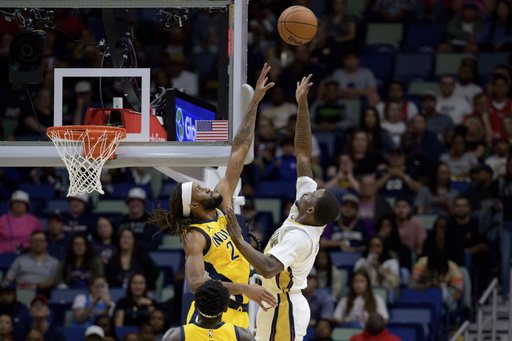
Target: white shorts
{"points": [[287, 322]]}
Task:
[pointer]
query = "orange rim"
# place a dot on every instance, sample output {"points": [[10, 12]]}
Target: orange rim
{"points": [[75, 132]]}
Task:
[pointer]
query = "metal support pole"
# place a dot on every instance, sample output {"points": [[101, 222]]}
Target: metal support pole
{"points": [[494, 312]]}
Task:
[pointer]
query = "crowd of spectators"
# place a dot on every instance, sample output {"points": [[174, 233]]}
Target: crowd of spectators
{"points": [[392, 158]]}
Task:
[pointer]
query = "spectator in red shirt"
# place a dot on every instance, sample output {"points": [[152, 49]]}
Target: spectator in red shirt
{"points": [[501, 104], [375, 331]]}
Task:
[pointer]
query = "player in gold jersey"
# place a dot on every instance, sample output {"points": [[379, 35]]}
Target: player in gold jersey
{"points": [[198, 215], [212, 300]]}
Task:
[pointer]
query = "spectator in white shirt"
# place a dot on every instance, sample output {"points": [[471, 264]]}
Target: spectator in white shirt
{"points": [[181, 78], [498, 159], [393, 122], [396, 94], [280, 110], [465, 86], [448, 103]]}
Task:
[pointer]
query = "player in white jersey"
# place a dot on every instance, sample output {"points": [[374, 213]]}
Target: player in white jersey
{"points": [[292, 249]]}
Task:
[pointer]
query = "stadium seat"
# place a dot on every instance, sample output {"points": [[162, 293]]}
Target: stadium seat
{"points": [[459, 186], [488, 61], [25, 296], [111, 206], [66, 295], [170, 243], [345, 261], [8, 126], [427, 220], [355, 8], [167, 189], [69, 318], [423, 37], [431, 298], [6, 260], [43, 191], [413, 315], [269, 205], [384, 34], [412, 65], [382, 292], [74, 333], [116, 293], [449, 63], [169, 262], [344, 334], [57, 206], [419, 87], [121, 190], [380, 63], [407, 331], [122, 331], [276, 189]]}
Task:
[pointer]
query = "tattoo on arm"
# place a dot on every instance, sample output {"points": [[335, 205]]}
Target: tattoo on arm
{"points": [[245, 133]]}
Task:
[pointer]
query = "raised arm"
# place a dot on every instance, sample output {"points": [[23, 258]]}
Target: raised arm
{"points": [[303, 129], [243, 140]]}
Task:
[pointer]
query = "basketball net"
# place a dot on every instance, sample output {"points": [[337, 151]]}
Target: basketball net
{"points": [[84, 150]]}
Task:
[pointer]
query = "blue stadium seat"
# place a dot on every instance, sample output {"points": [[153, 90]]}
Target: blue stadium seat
{"points": [[121, 190], [488, 61], [74, 333], [459, 186], [431, 298], [66, 295], [169, 261], [423, 37], [276, 189], [167, 189], [6, 260], [122, 331], [117, 293], [413, 315], [45, 192], [407, 331], [380, 63], [57, 206], [410, 66], [345, 261]]}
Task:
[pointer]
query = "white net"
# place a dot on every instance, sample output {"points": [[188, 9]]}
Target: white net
{"points": [[85, 150]]}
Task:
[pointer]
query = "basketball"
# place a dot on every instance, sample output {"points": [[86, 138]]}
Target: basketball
{"points": [[297, 25]]}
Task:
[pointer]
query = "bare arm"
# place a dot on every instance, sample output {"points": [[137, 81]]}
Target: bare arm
{"points": [[173, 334], [267, 266], [245, 335], [242, 141], [119, 318], [303, 129]]}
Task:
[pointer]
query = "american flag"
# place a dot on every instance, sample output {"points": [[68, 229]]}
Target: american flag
{"points": [[211, 130]]}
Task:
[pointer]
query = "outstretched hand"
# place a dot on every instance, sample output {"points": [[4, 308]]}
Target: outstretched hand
{"points": [[260, 295], [261, 86], [233, 227], [301, 94]]}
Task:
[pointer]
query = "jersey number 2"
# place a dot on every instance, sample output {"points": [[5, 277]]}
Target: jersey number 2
{"points": [[230, 245]]}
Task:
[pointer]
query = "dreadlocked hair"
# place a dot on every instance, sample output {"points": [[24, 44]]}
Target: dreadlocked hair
{"points": [[212, 298], [173, 221]]}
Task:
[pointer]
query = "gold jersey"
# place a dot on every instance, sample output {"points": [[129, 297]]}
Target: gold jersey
{"points": [[223, 332]]}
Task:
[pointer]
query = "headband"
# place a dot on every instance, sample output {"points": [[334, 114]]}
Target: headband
{"points": [[186, 197]]}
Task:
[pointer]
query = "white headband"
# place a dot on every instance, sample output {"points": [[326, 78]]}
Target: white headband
{"points": [[186, 197]]}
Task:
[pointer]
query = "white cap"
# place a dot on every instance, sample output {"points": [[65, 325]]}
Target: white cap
{"points": [[94, 330], [136, 193], [20, 196], [81, 196], [83, 86]]}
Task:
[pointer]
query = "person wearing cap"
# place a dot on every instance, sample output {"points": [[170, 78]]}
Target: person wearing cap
{"points": [[396, 179], [212, 300], [36, 269], [94, 333], [198, 214], [437, 123], [136, 220], [320, 300], [39, 312], [17, 225], [78, 219], [58, 239], [290, 254], [18, 311], [348, 233], [83, 101]]}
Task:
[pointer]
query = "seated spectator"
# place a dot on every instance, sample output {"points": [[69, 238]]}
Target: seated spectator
{"points": [[386, 229], [17, 225], [355, 81], [501, 104], [341, 27], [79, 266], [479, 189], [78, 220], [283, 168], [436, 239], [86, 308], [458, 160], [94, 333], [392, 122], [147, 332], [436, 271], [375, 330], [106, 322], [425, 142], [437, 197], [465, 86], [481, 107], [323, 330], [136, 220], [396, 180], [36, 269], [130, 260], [498, 159], [344, 177], [181, 78], [411, 230], [280, 110], [451, 104], [393, 11], [34, 335], [414, 159], [104, 249], [328, 276], [331, 115], [158, 320], [139, 176], [348, 233], [383, 270], [474, 137], [135, 307], [57, 177], [462, 30], [380, 139], [364, 158], [437, 123], [30, 128], [354, 309], [320, 300], [265, 142], [6, 327], [39, 312], [132, 337], [16, 310], [372, 205], [396, 95], [496, 35], [58, 239]]}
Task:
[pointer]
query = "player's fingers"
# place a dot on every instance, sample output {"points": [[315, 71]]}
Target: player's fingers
{"points": [[309, 77], [269, 85], [263, 307]]}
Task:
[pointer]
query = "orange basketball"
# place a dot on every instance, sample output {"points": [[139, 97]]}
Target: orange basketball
{"points": [[297, 25]]}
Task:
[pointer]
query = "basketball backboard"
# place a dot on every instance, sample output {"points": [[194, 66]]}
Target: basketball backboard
{"points": [[138, 150]]}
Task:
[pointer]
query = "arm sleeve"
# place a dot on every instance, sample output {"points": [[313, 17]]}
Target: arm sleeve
{"points": [[381, 307], [13, 270], [79, 302], [339, 311], [417, 273], [295, 244]]}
